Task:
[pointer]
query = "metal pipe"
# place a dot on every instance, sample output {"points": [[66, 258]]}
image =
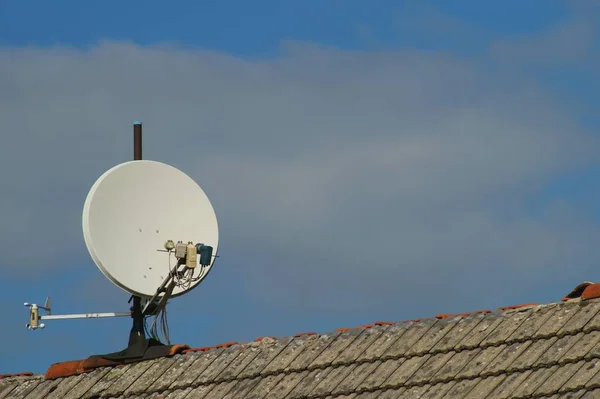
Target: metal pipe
{"points": [[83, 316], [137, 141], [137, 335]]}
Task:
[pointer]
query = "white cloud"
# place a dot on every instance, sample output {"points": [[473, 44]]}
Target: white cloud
{"points": [[369, 172], [571, 42]]}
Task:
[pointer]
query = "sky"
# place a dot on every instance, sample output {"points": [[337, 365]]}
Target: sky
{"points": [[388, 162]]}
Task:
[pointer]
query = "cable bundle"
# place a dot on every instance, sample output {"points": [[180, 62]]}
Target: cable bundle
{"points": [[182, 279]]}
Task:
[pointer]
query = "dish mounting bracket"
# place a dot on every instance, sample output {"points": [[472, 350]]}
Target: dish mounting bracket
{"points": [[139, 347]]}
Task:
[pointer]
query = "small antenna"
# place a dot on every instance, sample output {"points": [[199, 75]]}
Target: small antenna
{"points": [[137, 141], [152, 231]]}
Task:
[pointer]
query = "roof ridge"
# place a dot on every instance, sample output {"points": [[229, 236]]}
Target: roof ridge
{"points": [[443, 316]]}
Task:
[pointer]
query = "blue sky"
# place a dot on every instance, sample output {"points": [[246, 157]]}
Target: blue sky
{"points": [[510, 88], [249, 29]]}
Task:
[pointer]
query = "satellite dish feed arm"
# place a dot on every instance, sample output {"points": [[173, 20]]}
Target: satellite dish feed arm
{"points": [[35, 316], [165, 288]]}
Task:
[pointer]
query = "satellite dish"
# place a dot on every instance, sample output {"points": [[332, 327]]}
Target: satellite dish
{"points": [[152, 231], [132, 210]]}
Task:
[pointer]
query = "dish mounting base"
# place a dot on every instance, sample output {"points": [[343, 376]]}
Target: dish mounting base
{"points": [[139, 347]]}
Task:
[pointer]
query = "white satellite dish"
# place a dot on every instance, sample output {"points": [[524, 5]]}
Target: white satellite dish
{"points": [[132, 210], [152, 231]]}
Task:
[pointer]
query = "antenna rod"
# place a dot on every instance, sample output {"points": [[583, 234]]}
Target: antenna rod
{"points": [[137, 141], [138, 343]]}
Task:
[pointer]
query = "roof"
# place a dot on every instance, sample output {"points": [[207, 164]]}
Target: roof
{"points": [[525, 351]]}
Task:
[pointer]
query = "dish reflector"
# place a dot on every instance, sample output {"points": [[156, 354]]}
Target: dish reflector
{"points": [[129, 214]]}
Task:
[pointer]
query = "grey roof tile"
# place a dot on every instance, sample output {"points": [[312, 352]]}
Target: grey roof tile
{"points": [[480, 361], [532, 353], [538, 379], [438, 390], [199, 392], [560, 377], [23, 389], [405, 371], [153, 373], [388, 337], [43, 389], [179, 394], [455, 364], [551, 397], [331, 380], [562, 315], [583, 375], [287, 384], [330, 354], [594, 394], [76, 386], [368, 395], [311, 350], [274, 358], [556, 350], [351, 396], [191, 373], [381, 373], [485, 327], [593, 382], [177, 365], [125, 380], [576, 395], [463, 326], [533, 322], [594, 323], [106, 381], [245, 357], [413, 392], [256, 388], [154, 395], [510, 323], [506, 387], [587, 310], [228, 389], [391, 393], [485, 387], [462, 388], [432, 336], [414, 332], [215, 368], [506, 357], [583, 346], [594, 352], [433, 364], [310, 380], [220, 390], [7, 387], [367, 338], [356, 376]]}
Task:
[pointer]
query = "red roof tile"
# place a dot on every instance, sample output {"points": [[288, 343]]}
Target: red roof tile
{"points": [[591, 291], [74, 367]]}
